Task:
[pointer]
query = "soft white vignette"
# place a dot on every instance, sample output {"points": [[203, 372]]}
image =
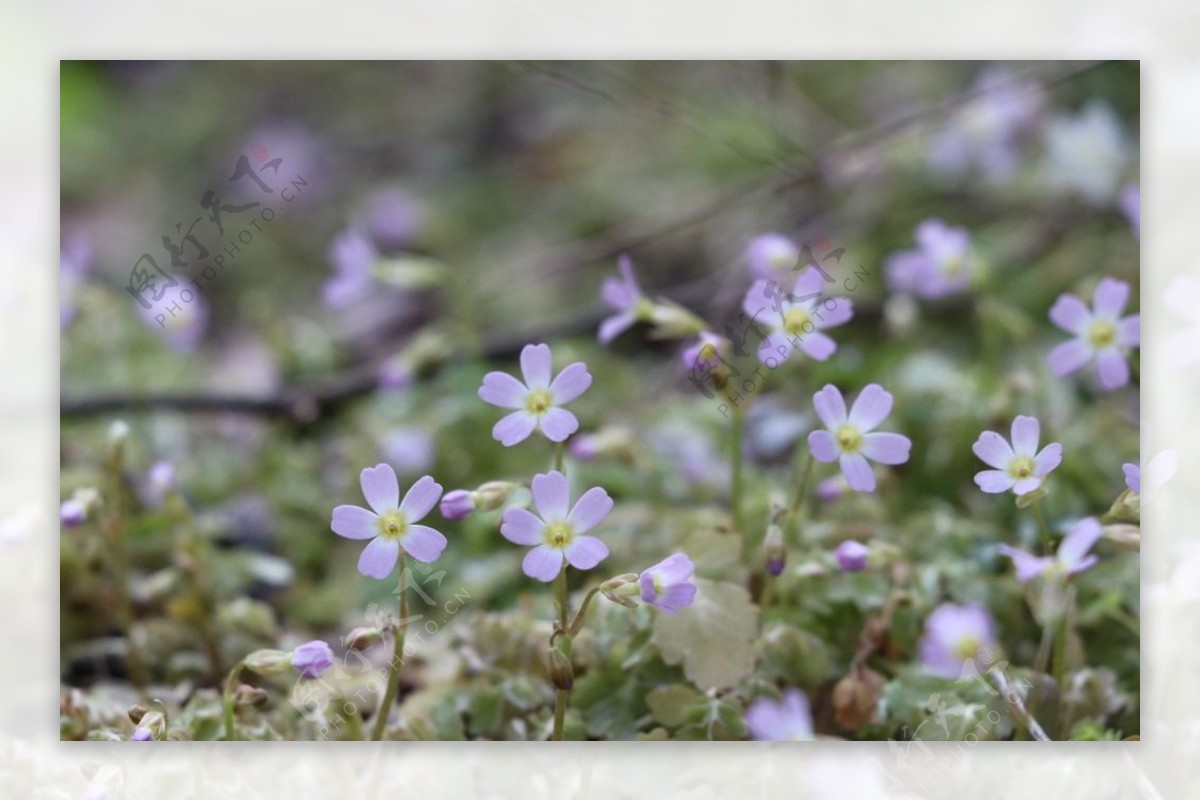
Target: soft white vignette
{"points": [[34, 763]]}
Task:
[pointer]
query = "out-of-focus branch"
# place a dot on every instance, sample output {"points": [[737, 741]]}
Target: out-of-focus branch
{"points": [[1017, 705]]}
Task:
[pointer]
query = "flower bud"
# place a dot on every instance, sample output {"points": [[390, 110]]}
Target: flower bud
{"points": [[72, 513], [151, 726], [774, 550], [136, 713], [672, 321], [245, 695], [611, 441], [1127, 507], [141, 733], [362, 638], [118, 434], [1124, 536], [562, 675], [312, 658], [831, 488], [493, 495], [268, 662], [622, 589], [856, 698], [851, 556], [456, 504]]}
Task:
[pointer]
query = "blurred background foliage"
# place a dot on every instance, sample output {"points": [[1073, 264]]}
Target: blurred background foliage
{"points": [[497, 196]]}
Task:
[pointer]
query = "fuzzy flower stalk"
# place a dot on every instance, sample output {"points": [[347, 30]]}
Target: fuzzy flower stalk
{"points": [[309, 660]]}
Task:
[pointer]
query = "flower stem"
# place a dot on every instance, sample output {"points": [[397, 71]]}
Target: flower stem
{"points": [[114, 533], [1060, 642], [393, 682], [735, 460], [798, 499], [560, 457], [562, 697], [1047, 535], [231, 685]]}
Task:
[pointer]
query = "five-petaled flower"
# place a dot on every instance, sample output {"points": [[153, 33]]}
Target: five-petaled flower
{"points": [[668, 585], [850, 438], [942, 264], [956, 639], [796, 320], [559, 536], [1072, 556], [1101, 333], [538, 401], [789, 718], [393, 523], [772, 256], [1019, 467], [625, 297]]}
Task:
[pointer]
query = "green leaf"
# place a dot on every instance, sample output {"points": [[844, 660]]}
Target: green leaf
{"points": [[669, 704], [713, 638]]}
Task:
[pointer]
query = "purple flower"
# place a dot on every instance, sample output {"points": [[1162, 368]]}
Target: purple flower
{"points": [[410, 450], [312, 658], [851, 556], [1019, 467], [668, 585], [796, 320], [72, 513], [705, 353], [985, 133], [771, 256], [831, 488], [556, 534], [141, 734], [393, 217], [538, 400], [955, 636], [941, 265], [177, 321], [850, 439], [786, 719], [1072, 556], [1133, 477], [1130, 204], [1100, 333], [395, 374], [625, 297], [457, 504], [353, 256], [585, 447], [392, 524]]}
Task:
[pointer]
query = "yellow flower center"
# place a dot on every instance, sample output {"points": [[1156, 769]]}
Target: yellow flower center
{"points": [[559, 535], [967, 647], [954, 266], [392, 525], [708, 352], [538, 401], [1102, 334], [796, 321], [1021, 467], [849, 438]]}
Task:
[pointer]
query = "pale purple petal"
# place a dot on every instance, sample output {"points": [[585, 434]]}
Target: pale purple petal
{"points": [[501, 389], [1078, 541], [558, 424], [421, 498], [675, 569], [423, 542], [551, 495], [765, 721], [613, 327], [521, 526], [514, 428], [1112, 369], [572, 382], [1110, 298], [1129, 331], [1068, 357], [858, 472], [851, 556], [817, 345], [379, 557], [1071, 314], [674, 597], [1133, 477], [590, 510], [1025, 486], [994, 481], [824, 446], [585, 552], [809, 284], [833, 312], [354, 522], [536, 365], [1026, 564], [776, 347], [772, 253], [870, 408], [543, 563], [886, 448], [994, 450], [625, 267], [1049, 458], [1026, 431], [755, 305], [830, 406], [380, 488]]}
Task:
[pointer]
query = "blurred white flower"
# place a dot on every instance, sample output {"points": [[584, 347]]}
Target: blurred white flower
{"points": [[1087, 153]]}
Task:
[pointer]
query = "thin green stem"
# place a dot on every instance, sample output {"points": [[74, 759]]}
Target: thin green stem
{"points": [[114, 534], [562, 697], [798, 498], [1047, 534], [1060, 642], [393, 682], [735, 459], [560, 457], [577, 624], [230, 685]]}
